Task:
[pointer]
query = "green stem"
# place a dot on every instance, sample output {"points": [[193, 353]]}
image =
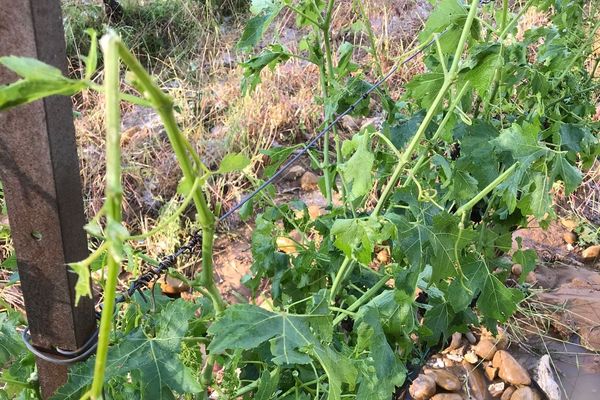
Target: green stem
{"points": [[407, 155], [94, 256], [389, 144], [588, 89], [513, 21], [330, 77], [325, 164], [114, 192], [498, 71], [370, 35], [363, 299], [471, 203], [346, 264], [206, 377], [302, 14], [438, 47], [580, 51], [455, 102], [164, 107], [342, 311], [122, 96], [504, 19], [448, 80]]}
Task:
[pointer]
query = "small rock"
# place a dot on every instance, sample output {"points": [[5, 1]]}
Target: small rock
{"points": [[314, 212], [383, 256], [531, 278], [591, 253], [570, 237], [496, 389], [447, 396], [570, 224], [470, 337], [350, 123], [471, 358], [545, 379], [508, 392], [491, 372], [309, 182], [445, 380], [522, 393], [500, 339], [517, 270], [438, 363], [295, 172], [422, 388], [449, 363], [509, 369], [455, 357], [173, 287], [456, 341], [485, 349], [228, 60], [460, 351], [477, 383]]}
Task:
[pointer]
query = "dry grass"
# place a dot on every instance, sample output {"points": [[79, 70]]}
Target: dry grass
{"points": [[217, 119]]}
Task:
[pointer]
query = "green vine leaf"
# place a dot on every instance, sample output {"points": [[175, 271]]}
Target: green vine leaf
{"points": [[82, 287], [39, 80], [446, 239], [356, 171], [477, 151], [570, 175], [384, 370], [154, 358], [447, 14], [482, 67], [270, 57], [522, 143], [233, 163], [357, 237], [10, 341], [496, 300], [425, 87], [245, 327], [267, 385], [255, 28]]}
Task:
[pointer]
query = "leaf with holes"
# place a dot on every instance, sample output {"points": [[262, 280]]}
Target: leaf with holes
{"points": [[154, 358], [357, 237], [356, 171]]}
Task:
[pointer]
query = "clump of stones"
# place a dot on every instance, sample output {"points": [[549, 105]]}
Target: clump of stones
{"points": [[479, 369]]}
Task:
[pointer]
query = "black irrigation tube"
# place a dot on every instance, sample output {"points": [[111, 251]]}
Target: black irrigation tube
{"points": [[65, 357]]}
